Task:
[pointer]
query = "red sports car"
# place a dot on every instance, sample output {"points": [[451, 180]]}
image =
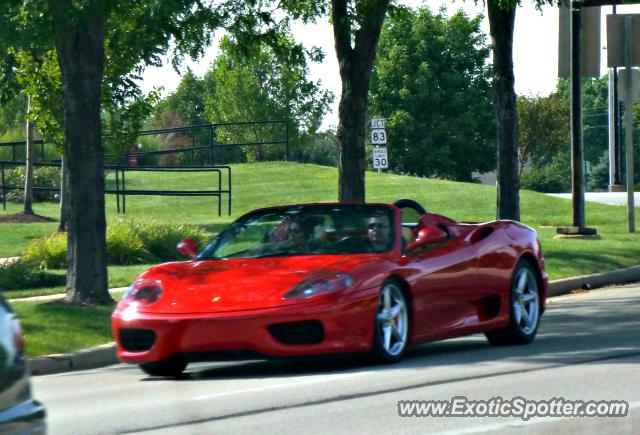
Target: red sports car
{"points": [[314, 279]]}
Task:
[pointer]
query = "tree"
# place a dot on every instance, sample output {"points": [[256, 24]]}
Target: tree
{"points": [[543, 129], [502, 14], [356, 29], [264, 85], [432, 84], [90, 38]]}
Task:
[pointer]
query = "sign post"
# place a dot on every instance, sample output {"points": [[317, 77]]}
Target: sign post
{"points": [[621, 51]]}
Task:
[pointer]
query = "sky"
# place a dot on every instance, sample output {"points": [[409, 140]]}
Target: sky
{"points": [[535, 51]]}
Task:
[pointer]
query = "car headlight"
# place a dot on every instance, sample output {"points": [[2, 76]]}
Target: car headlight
{"points": [[144, 291], [319, 284]]}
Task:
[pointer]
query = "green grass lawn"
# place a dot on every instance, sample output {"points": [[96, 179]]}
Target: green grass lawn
{"points": [[59, 328], [265, 184], [119, 276]]}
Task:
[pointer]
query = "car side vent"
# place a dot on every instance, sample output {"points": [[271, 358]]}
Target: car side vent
{"points": [[486, 232], [298, 333], [137, 340]]}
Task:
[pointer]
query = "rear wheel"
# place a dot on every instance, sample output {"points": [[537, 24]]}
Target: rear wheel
{"points": [[171, 366], [524, 308], [391, 324]]}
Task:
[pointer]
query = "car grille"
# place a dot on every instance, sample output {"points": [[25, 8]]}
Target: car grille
{"points": [[137, 340], [305, 332]]}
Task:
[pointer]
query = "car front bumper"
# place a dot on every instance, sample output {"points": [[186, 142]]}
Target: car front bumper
{"points": [[347, 326]]}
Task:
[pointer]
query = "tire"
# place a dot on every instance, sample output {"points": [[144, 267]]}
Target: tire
{"points": [[391, 325], [172, 366], [524, 308]]}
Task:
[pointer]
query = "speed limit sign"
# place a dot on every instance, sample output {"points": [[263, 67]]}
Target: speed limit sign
{"points": [[380, 160]]}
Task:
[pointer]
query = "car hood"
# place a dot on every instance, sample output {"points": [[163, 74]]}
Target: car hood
{"points": [[212, 286]]}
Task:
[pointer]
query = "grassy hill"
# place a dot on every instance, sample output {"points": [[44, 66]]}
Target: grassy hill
{"points": [[264, 184]]}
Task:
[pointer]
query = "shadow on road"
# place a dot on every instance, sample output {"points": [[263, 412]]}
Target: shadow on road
{"points": [[571, 332]]}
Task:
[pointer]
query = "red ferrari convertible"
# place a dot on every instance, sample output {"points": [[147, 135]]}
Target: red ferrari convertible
{"points": [[314, 279]]}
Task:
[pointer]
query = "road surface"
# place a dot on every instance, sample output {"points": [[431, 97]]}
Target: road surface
{"points": [[588, 348]]}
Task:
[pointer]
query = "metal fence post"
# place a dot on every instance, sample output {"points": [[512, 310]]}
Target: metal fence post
{"points": [[4, 198], [286, 139], [211, 144]]}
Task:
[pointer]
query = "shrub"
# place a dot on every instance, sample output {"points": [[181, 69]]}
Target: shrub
{"points": [[127, 243], [124, 245], [161, 239], [22, 274], [48, 252], [46, 176], [553, 177]]}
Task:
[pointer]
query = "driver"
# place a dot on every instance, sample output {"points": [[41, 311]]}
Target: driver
{"points": [[379, 232]]}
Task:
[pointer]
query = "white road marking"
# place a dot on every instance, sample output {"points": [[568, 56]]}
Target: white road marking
{"points": [[328, 378]]}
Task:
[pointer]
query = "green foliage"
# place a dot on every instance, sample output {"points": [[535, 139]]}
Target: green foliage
{"points": [[595, 114], [124, 245], [43, 176], [266, 85], [39, 77], [320, 148], [554, 177], [432, 84], [128, 242], [21, 274], [599, 177], [48, 252], [543, 128], [160, 240]]}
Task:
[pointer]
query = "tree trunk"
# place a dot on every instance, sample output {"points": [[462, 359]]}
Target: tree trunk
{"points": [[355, 63], [28, 172], [501, 24], [351, 133], [62, 225], [80, 49]]}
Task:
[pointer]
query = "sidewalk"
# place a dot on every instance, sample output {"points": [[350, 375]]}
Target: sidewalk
{"points": [[609, 198]]}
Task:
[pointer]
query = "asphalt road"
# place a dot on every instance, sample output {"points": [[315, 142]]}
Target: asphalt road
{"points": [[588, 348]]}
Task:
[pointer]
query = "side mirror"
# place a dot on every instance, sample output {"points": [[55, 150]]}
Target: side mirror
{"points": [[427, 236], [188, 247]]}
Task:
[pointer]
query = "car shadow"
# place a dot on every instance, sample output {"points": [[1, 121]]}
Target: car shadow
{"points": [[576, 332]]}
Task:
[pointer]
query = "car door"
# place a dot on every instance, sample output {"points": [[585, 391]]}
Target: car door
{"points": [[442, 286]]}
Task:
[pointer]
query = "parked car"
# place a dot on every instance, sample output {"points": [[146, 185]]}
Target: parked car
{"points": [[20, 413], [313, 279]]}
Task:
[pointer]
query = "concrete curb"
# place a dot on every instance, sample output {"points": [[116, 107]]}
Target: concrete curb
{"points": [[620, 276], [84, 359], [105, 355]]}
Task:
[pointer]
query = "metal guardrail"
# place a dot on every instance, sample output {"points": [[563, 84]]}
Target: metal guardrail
{"points": [[121, 190]]}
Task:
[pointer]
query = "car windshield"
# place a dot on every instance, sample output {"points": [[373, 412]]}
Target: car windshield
{"points": [[306, 230]]}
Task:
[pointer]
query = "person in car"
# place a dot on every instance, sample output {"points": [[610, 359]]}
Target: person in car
{"points": [[379, 233]]}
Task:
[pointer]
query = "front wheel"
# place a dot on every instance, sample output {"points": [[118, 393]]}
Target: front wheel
{"points": [[391, 324], [172, 366], [524, 309]]}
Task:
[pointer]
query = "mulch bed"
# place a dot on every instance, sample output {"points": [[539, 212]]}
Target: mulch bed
{"points": [[23, 218]]}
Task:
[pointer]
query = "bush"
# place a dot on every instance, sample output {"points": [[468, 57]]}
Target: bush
{"points": [[46, 176], [553, 177], [124, 245], [21, 274], [161, 240], [48, 252], [127, 243]]}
